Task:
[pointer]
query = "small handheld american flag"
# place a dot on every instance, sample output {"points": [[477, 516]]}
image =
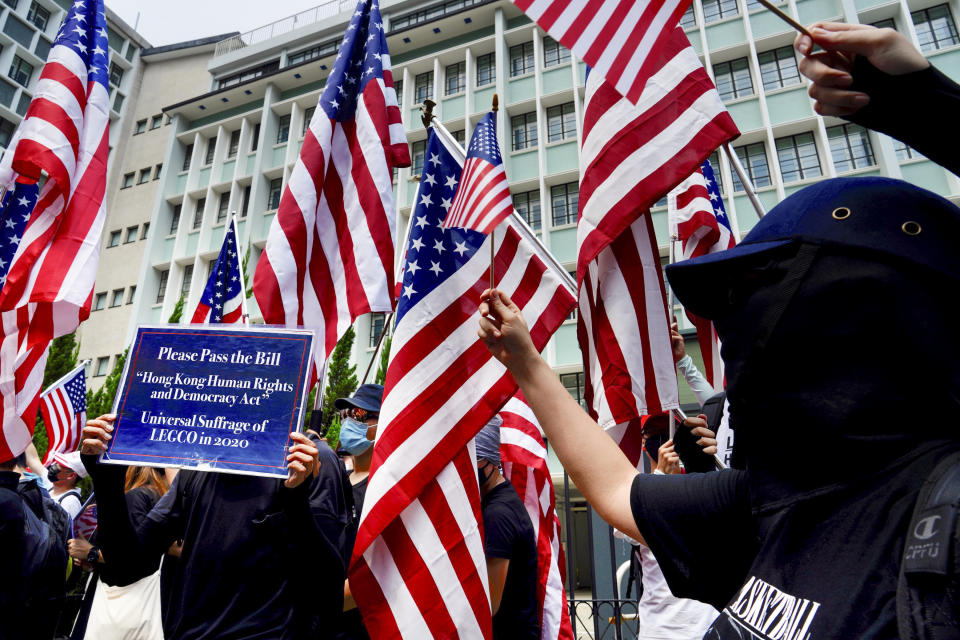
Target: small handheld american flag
{"points": [[64, 410], [224, 298]]}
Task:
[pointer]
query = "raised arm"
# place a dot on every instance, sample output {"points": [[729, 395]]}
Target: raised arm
{"points": [[594, 461]]}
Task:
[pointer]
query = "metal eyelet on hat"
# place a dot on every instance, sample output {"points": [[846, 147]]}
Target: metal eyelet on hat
{"points": [[841, 213], [911, 228]]}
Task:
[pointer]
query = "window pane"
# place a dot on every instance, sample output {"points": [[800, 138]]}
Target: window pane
{"points": [[521, 59], [456, 77], [486, 69], [753, 157], [283, 131], [935, 28], [798, 157], [850, 147], [423, 87], [778, 68]]}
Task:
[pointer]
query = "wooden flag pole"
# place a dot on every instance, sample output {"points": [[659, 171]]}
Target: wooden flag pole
{"points": [[745, 181], [785, 17]]}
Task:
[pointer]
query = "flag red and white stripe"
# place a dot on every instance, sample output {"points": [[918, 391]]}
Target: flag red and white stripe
{"points": [[418, 568], [329, 255], [64, 410], [49, 284], [621, 39], [524, 457], [632, 155]]}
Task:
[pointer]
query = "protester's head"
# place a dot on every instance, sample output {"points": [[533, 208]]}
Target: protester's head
{"points": [[834, 316], [655, 431], [14, 463], [150, 477], [66, 470], [487, 444], [358, 428]]}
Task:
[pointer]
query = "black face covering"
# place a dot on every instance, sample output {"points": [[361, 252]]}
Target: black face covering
{"points": [[53, 472], [840, 350]]}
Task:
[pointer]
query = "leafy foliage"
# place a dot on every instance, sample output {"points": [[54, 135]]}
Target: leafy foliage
{"points": [[384, 359], [341, 376], [177, 312], [101, 402]]}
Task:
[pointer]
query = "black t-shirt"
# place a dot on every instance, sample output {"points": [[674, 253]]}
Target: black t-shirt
{"points": [[508, 534], [351, 624], [823, 567], [11, 541], [139, 503]]}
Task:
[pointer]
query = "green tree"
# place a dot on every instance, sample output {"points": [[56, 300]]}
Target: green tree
{"points": [[101, 402], [341, 376], [333, 432], [177, 312], [384, 359], [61, 359], [248, 291]]}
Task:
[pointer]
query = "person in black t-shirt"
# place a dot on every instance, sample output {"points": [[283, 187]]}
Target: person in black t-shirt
{"points": [[834, 325], [509, 544]]}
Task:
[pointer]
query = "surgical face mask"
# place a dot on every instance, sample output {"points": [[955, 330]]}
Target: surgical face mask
{"points": [[353, 436]]}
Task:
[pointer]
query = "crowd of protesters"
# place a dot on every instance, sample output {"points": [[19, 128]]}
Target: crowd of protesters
{"points": [[834, 327]]}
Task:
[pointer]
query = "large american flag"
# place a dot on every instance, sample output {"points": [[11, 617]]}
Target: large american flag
{"points": [[418, 568], [524, 457], [701, 225], [15, 210], [329, 256], [49, 282], [64, 410], [632, 155], [621, 39], [223, 298], [483, 199]]}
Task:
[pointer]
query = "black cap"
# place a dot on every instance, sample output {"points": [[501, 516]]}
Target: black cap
{"points": [[367, 396]]}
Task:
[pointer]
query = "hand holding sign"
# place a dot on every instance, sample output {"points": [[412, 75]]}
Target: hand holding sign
{"points": [[302, 462]]}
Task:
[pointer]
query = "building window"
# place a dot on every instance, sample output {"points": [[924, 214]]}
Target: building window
{"points": [[144, 176], [249, 74], [717, 174], [187, 156], [276, 190], [114, 239], [398, 89], [521, 59], [133, 292], [211, 149], [778, 68], [175, 219], [574, 384], [6, 131], [733, 79], [146, 229], [128, 180], [419, 151], [131, 234], [935, 28], [714, 10], [185, 283], [162, 287], [198, 213], [117, 298], [460, 135], [888, 23], [527, 205], [904, 151], [455, 77], [850, 147], [116, 74], [141, 127], [423, 87], [486, 69], [307, 117], [38, 16], [689, 18], [319, 51], [377, 323], [283, 131], [255, 139], [99, 301], [156, 171], [563, 203], [798, 157], [21, 71], [156, 122], [246, 202], [222, 207], [234, 144], [561, 122], [753, 157], [102, 365], [554, 53], [523, 130]]}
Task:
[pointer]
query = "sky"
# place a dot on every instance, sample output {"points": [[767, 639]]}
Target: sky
{"points": [[169, 21]]}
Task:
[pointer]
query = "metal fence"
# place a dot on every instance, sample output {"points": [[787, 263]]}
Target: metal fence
{"points": [[284, 25], [604, 619]]}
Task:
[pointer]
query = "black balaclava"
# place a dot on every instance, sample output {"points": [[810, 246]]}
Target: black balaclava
{"points": [[838, 362]]}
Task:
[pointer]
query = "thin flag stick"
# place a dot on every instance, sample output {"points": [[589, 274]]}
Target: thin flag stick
{"points": [[493, 232], [745, 181], [243, 279], [785, 17]]}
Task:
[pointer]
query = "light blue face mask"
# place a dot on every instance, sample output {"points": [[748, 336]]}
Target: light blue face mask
{"points": [[353, 436]]}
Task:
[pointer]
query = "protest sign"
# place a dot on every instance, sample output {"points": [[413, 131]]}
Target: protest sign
{"points": [[211, 398]]}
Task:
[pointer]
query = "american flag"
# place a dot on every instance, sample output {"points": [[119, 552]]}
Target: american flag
{"points": [[418, 568], [86, 521], [632, 155], [15, 210], [329, 256], [49, 282], [483, 199], [621, 39], [524, 457], [224, 296], [64, 410], [701, 225]]}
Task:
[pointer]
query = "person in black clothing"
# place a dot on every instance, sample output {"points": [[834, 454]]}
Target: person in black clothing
{"points": [[509, 544], [242, 573], [11, 541]]}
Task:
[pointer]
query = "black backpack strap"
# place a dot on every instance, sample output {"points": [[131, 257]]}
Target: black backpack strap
{"points": [[928, 593], [72, 492]]}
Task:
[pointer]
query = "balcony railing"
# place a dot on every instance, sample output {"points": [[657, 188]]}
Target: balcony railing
{"points": [[285, 25]]}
